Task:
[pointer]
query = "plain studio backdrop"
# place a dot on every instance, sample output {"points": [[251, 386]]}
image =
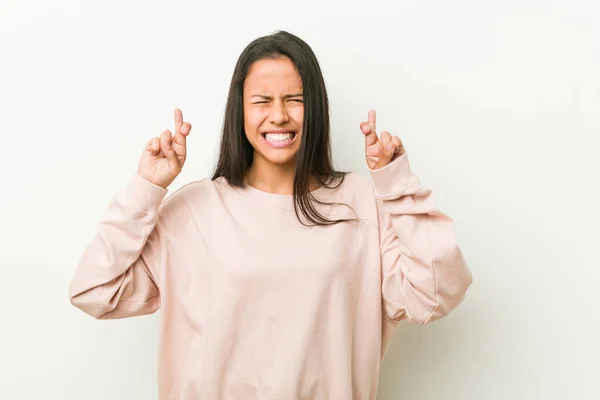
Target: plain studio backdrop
{"points": [[498, 105]]}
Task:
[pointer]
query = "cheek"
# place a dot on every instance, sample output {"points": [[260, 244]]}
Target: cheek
{"points": [[252, 120], [297, 114]]}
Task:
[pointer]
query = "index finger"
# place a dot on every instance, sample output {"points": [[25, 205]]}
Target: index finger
{"points": [[372, 118], [178, 121]]}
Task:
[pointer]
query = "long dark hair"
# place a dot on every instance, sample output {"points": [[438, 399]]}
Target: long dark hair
{"points": [[314, 155]]}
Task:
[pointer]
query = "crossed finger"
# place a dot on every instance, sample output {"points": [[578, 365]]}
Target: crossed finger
{"points": [[182, 129]]}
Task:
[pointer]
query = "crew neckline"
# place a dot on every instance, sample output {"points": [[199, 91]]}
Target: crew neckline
{"points": [[283, 201]]}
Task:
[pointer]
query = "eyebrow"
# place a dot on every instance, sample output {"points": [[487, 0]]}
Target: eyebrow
{"points": [[287, 96]]}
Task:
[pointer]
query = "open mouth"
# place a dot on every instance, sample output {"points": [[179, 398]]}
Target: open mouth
{"points": [[279, 139]]}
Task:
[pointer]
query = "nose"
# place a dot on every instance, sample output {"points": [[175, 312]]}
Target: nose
{"points": [[278, 114]]}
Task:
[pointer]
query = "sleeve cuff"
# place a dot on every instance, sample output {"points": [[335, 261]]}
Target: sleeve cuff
{"points": [[142, 195], [395, 179]]}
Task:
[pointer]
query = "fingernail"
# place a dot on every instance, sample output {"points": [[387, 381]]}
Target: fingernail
{"points": [[390, 147], [184, 129]]}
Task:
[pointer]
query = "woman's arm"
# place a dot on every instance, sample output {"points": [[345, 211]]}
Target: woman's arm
{"points": [[114, 278], [424, 274]]}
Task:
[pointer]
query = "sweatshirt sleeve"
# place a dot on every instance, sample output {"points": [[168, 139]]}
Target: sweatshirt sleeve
{"points": [[424, 274], [114, 277]]}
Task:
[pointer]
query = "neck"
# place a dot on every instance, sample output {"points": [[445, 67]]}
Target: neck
{"points": [[272, 178]]}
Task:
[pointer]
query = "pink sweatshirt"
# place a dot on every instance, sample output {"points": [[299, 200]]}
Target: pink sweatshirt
{"points": [[254, 305]]}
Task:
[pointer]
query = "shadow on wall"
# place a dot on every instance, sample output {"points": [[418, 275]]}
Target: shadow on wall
{"points": [[474, 353]]}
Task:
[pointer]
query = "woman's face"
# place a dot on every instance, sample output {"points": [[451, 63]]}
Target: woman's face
{"points": [[273, 110]]}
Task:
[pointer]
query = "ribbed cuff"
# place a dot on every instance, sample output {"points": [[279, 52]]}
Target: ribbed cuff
{"points": [[395, 179], [142, 195]]}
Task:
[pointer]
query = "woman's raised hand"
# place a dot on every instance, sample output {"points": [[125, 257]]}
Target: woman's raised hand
{"points": [[164, 156]]}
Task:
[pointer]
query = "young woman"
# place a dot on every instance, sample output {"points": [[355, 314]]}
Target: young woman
{"points": [[280, 277]]}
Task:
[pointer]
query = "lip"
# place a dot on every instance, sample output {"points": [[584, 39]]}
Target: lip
{"points": [[279, 145], [278, 131]]}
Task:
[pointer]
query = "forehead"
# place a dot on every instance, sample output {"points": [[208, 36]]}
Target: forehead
{"points": [[277, 75]]}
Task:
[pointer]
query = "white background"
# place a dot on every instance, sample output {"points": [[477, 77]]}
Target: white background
{"points": [[498, 105]]}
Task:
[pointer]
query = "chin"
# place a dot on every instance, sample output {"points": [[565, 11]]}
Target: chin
{"points": [[280, 159]]}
